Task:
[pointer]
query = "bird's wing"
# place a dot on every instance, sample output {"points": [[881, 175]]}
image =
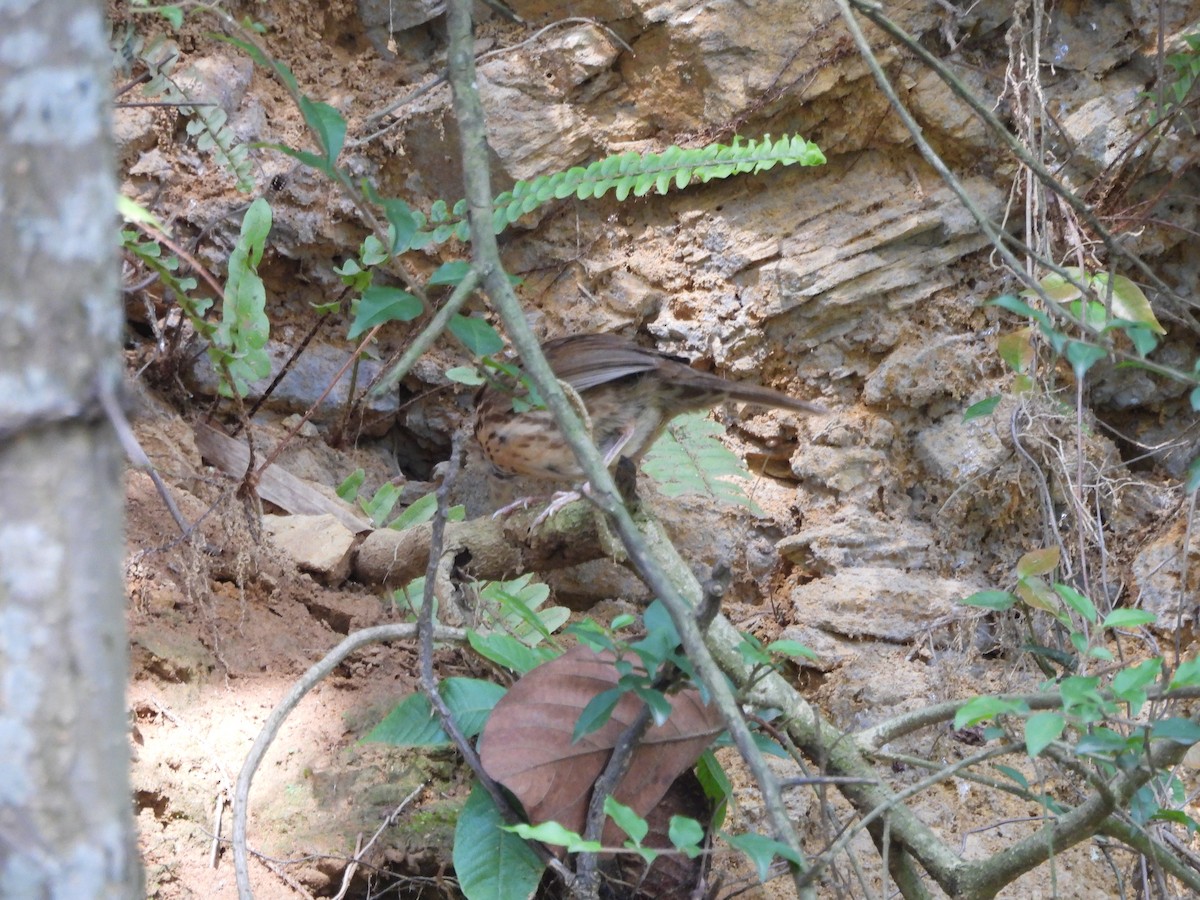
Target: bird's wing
{"points": [[585, 361]]}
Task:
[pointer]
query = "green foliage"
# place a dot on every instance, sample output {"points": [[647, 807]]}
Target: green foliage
{"points": [[166, 266], [1098, 307], [762, 850], [689, 458], [639, 173], [1098, 717], [553, 833], [514, 607], [236, 344], [659, 647], [238, 347], [413, 724], [1184, 72], [491, 862], [207, 122], [381, 503]]}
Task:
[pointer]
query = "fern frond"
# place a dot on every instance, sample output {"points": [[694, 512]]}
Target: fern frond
{"points": [[690, 459], [205, 123], [625, 174]]}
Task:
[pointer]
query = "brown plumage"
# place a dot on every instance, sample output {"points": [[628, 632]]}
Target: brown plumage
{"points": [[630, 392]]}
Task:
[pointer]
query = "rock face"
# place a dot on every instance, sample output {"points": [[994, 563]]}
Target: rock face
{"points": [[860, 280]]}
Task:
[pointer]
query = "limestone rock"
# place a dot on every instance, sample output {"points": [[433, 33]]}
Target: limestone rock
{"points": [[853, 537], [319, 545], [880, 602], [1156, 572]]}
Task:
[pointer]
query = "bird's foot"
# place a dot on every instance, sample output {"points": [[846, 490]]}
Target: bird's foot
{"points": [[516, 506], [560, 500]]}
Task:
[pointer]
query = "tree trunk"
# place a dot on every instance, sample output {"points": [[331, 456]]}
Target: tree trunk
{"points": [[66, 825]]}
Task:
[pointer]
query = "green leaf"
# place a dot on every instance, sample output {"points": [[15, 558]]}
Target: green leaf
{"points": [[411, 723], [1081, 698], [372, 252], [328, 124], [239, 340], [1102, 742], [1037, 562], [1193, 475], [686, 835], [1013, 304], [689, 458], [1037, 594], [1177, 817], [790, 648], [451, 273], [1041, 730], [490, 861], [1143, 338], [476, 335], [1129, 684], [379, 507], [1128, 618], [402, 221], [997, 600], [348, 489], [505, 650], [1083, 356], [627, 820], [1188, 674], [1016, 349], [1014, 775], [380, 304], [132, 211], [420, 510], [598, 711], [1179, 731], [716, 784], [513, 606], [471, 701], [762, 850], [173, 14], [660, 706], [468, 375], [1128, 301], [981, 409], [979, 709], [553, 833], [624, 620], [1077, 601]]}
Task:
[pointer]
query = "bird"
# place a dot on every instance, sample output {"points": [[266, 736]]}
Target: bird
{"points": [[630, 393]]}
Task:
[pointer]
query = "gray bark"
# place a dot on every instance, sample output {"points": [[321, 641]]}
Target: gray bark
{"points": [[66, 825]]}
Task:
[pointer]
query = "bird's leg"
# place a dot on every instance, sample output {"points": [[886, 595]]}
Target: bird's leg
{"points": [[560, 498], [565, 498]]}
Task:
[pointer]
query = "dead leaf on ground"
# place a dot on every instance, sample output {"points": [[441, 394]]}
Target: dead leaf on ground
{"points": [[526, 745]]}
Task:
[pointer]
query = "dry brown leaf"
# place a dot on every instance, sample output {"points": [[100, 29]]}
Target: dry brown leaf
{"points": [[526, 745]]}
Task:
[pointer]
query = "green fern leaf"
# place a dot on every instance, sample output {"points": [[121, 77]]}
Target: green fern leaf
{"points": [[690, 459]]}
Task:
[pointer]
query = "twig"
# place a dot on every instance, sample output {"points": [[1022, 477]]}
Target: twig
{"points": [[429, 686], [286, 367], [275, 720], [133, 449], [218, 814], [442, 77], [360, 849]]}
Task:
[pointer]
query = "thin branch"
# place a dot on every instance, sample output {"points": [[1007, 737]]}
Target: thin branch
{"points": [[270, 728]]}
